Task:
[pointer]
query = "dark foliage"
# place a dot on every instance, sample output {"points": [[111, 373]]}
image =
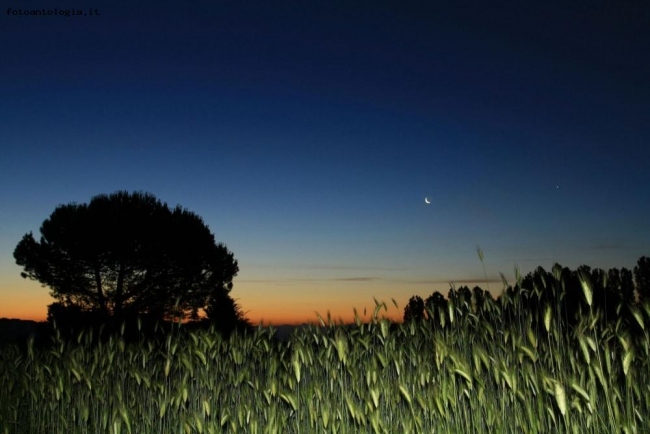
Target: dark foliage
{"points": [[414, 310], [612, 296], [123, 256], [226, 315], [642, 278]]}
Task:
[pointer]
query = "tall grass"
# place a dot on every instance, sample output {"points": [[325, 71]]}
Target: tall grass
{"points": [[505, 370]]}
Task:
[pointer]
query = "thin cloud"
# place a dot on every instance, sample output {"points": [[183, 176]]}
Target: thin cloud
{"points": [[357, 279], [314, 280], [474, 281], [328, 267], [610, 246], [539, 260], [349, 267], [456, 282]]}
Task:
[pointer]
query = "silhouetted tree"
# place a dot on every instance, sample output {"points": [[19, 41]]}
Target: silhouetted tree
{"points": [[67, 318], [642, 278], [452, 294], [597, 277], [538, 288], [414, 310], [614, 280], [540, 281], [478, 295], [125, 254], [525, 305], [573, 301], [436, 306], [627, 285], [227, 316], [560, 290], [464, 295]]}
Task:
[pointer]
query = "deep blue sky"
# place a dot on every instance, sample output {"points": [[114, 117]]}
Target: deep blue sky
{"points": [[307, 135]]}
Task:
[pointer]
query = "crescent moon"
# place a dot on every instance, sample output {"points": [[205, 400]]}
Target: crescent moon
{"points": [[427, 201]]}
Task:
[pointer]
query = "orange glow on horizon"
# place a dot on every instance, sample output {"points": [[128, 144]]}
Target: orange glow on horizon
{"points": [[261, 302], [29, 301], [12, 312]]}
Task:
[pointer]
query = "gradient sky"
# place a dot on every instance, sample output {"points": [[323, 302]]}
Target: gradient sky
{"points": [[307, 135]]}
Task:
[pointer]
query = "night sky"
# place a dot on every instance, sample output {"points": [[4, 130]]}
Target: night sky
{"points": [[308, 134]]}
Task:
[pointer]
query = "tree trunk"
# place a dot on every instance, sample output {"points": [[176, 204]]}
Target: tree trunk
{"points": [[119, 293], [100, 292]]}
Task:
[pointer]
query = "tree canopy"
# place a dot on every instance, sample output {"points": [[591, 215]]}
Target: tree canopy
{"points": [[414, 310], [126, 254], [614, 293]]}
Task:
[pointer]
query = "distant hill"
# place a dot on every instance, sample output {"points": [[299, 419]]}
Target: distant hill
{"points": [[284, 332], [14, 331], [17, 330]]}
